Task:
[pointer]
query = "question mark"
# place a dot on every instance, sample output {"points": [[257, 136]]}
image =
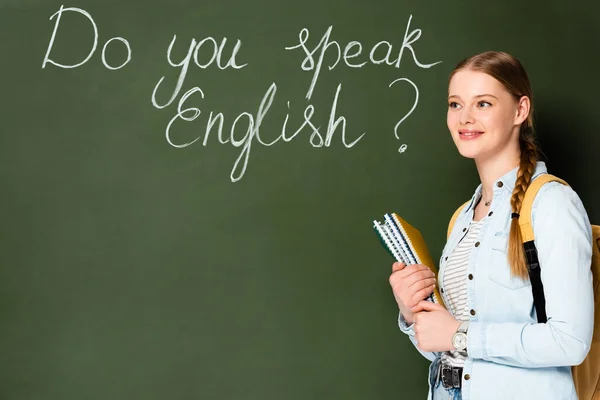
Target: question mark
{"points": [[403, 148]]}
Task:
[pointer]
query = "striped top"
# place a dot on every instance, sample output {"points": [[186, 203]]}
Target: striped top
{"points": [[455, 285]]}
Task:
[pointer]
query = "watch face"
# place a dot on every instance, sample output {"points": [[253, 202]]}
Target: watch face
{"points": [[459, 341]]}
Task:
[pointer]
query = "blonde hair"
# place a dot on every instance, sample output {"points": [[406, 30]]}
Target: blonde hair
{"points": [[511, 74]]}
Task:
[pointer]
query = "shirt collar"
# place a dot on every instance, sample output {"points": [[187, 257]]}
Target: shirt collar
{"points": [[506, 182]]}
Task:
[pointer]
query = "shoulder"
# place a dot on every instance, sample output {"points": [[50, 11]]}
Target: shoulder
{"points": [[557, 206], [554, 196]]}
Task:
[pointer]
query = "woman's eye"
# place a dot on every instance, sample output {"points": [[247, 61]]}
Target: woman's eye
{"points": [[484, 104], [453, 104]]}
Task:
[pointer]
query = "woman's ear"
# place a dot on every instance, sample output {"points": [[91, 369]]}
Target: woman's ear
{"points": [[523, 107]]}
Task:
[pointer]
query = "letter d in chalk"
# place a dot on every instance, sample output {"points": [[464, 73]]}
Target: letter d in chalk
{"points": [[58, 14]]}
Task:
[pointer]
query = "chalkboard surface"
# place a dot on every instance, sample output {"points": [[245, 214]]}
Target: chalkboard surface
{"points": [[188, 188]]}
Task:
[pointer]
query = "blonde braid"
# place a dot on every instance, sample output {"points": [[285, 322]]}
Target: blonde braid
{"points": [[529, 156]]}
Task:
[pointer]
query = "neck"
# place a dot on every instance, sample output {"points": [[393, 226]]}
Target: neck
{"points": [[491, 169]]}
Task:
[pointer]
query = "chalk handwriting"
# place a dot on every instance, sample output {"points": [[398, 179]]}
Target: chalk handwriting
{"points": [[403, 147], [308, 64], [58, 15], [245, 129], [252, 126], [126, 43], [184, 64]]}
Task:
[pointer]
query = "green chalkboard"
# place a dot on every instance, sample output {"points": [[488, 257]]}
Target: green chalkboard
{"points": [[142, 258]]}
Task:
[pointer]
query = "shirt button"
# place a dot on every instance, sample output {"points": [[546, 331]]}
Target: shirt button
{"points": [[500, 184], [472, 312], [442, 290], [446, 259], [477, 244], [464, 229], [467, 377], [470, 277], [490, 214]]}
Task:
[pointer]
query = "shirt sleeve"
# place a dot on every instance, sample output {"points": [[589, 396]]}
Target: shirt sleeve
{"points": [[563, 238], [410, 332]]}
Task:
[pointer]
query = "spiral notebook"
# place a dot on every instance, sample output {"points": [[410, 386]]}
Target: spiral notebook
{"points": [[406, 244]]}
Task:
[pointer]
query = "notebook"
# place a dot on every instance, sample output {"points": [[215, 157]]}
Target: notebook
{"points": [[406, 244]]}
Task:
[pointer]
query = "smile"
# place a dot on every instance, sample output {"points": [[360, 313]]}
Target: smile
{"points": [[468, 134]]}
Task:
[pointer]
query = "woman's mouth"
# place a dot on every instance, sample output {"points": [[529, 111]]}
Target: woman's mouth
{"points": [[469, 134]]}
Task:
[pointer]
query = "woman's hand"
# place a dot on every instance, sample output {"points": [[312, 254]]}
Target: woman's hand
{"points": [[410, 285], [434, 327]]}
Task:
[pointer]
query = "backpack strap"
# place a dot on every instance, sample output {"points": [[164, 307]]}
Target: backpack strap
{"points": [[454, 217], [525, 215], [528, 236]]}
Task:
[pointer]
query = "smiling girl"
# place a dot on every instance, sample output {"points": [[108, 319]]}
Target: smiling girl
{"points": [[487, 344]]}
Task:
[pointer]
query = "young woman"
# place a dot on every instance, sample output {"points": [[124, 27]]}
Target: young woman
{"points": [[499, 350]]}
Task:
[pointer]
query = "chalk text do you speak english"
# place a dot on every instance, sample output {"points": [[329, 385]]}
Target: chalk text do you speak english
{"points": [[210, 52]]}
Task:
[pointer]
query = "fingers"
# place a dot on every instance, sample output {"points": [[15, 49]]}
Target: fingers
{"points": [[411, 283], [420, 290], [419, 270], [398, 266], [397, 275], [408, 270], [410, 274], [418, 277], [423, 283], [425, 305], [416, 310], [423, 293]]}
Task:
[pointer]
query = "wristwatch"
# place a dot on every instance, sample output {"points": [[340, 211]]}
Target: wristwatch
{"points": [[459, 340]]}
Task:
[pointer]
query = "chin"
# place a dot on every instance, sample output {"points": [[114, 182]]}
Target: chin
{"points": [[467, 150], [474, 149], [468, 153]]}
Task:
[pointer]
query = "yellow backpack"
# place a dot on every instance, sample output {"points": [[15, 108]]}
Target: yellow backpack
{"points": [[587, 374]]}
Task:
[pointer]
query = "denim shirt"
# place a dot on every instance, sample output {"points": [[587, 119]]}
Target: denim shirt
{"points": [[510, 354]]}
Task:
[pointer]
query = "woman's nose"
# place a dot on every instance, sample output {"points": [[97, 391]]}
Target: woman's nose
{"points": [[466, 116]]}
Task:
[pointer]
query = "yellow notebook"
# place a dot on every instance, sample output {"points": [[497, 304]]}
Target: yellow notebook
{"points": [[406, 244]]}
